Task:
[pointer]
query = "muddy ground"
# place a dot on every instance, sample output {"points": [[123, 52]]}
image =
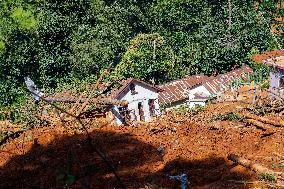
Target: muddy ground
{"points": [[144, 155]]}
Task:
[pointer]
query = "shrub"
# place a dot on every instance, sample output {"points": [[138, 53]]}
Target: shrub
{"points": [[228, 117], [267, 177]]}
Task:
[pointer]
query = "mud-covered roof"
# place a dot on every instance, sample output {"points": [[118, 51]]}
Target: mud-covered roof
{"points": [[277, 62], [273, 58], [260, 58]]}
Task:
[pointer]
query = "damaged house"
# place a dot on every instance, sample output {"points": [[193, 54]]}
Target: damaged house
{"points": [[215, 86], [142, 99], [196, 90], [175, 93], [145, 100], [276, 65]]}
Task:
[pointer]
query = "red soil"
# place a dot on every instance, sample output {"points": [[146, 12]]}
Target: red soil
{"points": [[192, 145]]}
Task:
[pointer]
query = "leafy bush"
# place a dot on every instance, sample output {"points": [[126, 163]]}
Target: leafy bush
{"points": [[267, 177], [197, 109], [155, 41], [182, 110], [261, 73], [228, 117]]}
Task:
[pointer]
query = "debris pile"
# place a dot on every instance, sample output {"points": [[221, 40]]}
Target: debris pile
{"points": [[197, 143]]}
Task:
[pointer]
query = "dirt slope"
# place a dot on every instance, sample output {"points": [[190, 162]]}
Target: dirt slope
{"points": [[145, 155]]}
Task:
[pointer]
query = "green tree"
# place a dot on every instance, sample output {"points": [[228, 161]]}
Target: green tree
{"points": [[147, 58], [17, 15], [101, 42], [67, 41]]}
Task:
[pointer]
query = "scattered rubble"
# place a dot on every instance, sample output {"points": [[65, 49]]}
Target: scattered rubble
{"points": [[144, 155]]}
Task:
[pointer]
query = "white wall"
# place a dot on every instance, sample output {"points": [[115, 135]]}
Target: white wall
{"points": [[144, 93], [275, 76], [198, 89], [192, 104], [190, 92], [274, 79]]}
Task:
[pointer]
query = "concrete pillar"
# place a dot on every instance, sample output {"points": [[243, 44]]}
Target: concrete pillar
{"points": [[157, 107]]}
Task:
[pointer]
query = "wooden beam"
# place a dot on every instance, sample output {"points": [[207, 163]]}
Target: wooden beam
{"points": [[100, 101]]}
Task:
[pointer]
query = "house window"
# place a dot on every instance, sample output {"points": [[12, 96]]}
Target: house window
{"points": [[132, 89], [151, 104], [281, 82]]}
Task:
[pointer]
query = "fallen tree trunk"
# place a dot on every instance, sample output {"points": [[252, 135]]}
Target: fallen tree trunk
{"points": [[252, 166], [264, 120], [13, 135], [270, 109], [258, 124], [278, 95]]}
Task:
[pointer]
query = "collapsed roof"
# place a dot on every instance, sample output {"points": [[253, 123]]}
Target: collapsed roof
{"points": [[273, 58]]}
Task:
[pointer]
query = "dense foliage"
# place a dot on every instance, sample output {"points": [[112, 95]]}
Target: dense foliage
{"points": [[156, 40]]}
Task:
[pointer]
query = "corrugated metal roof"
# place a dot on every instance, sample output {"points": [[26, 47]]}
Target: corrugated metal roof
{"points": [[177, 90], [223, 82]]}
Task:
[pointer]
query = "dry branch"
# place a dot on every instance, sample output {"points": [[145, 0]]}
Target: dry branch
{"points": [[99, 101], [264, 120], [270, 109], [275, 94], [89, 138], [252, 166], [258, 124], [83, 107], [72, 110]]}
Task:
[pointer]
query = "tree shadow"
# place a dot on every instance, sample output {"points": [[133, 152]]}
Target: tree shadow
{"points": [[212, 172], [69, 161]]}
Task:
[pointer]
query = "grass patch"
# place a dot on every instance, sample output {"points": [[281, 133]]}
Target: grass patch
{"points": [[228, 117], [280, 165], [197, 109], [268, 177]]}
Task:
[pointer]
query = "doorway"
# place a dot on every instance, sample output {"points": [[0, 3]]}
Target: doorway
{"points": [[141, 111], [151, 104]]}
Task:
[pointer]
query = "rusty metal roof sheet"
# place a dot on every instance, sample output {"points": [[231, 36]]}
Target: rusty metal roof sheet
{"points": [[223, 82], [277, 62], [177, 90]]}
